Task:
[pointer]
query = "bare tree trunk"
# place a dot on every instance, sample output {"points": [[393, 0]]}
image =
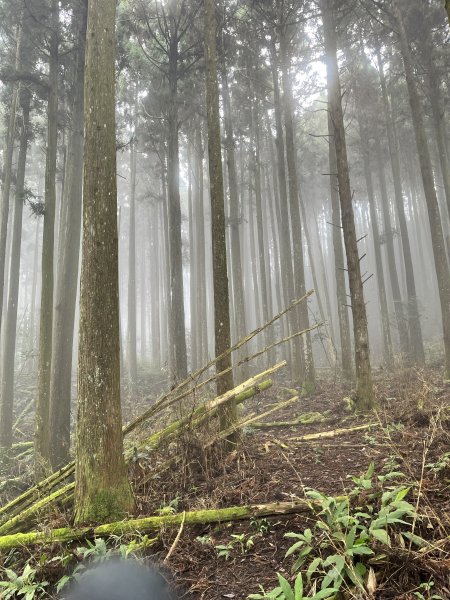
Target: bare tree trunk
{"points": [[364, 385], [382, 297], [67, 281], [228, 415], [177, 318], [437, 235], [298, 367], [102, 490], [415, 330], [235, 220], [201, 250], [9, 334], [42, 425], [262, 252], [34, 285], [390, 250], [131, 325], [339, 263], [193, 285], [308, 376], [143, 300], [7, 175]]}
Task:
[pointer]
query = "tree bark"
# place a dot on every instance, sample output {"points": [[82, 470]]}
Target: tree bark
{"points": [[42, 429], [102, 489], [235, 220], [297, 363], [131, 324], [382, 297], [67, 278], [220, 276], [437, 235], [364, 385], [7, 175], [308, 376], [177, 316], [9, 333]]}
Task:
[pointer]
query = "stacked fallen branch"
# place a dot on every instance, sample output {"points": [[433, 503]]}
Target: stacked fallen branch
{"points": [[20, 512], [23, 509]]}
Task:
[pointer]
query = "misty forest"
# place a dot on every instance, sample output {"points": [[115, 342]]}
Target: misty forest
{"points": [[225, 296]]}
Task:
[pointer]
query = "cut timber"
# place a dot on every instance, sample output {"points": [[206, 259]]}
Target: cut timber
{"points": [[332, 433], [305, 419], [152, 524]]}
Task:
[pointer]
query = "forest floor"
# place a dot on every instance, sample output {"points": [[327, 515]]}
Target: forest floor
{"points": [[411, 435]]}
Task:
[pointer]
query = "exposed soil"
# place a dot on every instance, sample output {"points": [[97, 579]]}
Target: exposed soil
{"points": [[271, 464]]}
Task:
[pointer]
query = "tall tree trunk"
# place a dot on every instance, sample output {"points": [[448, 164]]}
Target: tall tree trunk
{"points": [[67, 280], [201, 250], [437, 235], [339, 263], [34, 286], [390, 250], [415, 329], [297, 238], [227, 416], [364, 385], [7, 174], [9, 333], [382, 297], [236, 265], [102, 490], [42, 429], [298, 367], [177, 318], [193, 285], [264, 289], [131, 325], [143, 300]]}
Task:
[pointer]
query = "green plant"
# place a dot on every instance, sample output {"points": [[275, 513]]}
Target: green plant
{"points": [[170, 508], [424, 591], [442, 463], [262, 526], [243, 541], [205, 540], [22, 585], [284, 591], [336, 549]]}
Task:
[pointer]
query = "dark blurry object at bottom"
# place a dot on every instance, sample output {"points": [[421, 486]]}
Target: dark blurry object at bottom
{"points": [[121, 580]]}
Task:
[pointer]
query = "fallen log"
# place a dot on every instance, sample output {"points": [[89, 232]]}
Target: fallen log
{"points": [[304, 419], [332, 433], [152, 524], [23, 513]]}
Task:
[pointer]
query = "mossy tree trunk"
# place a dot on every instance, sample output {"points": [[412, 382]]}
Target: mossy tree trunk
{"points": [[228, 415], [102, 489]]}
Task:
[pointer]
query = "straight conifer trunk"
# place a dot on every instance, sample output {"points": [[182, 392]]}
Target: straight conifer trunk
{"points": [[9, 333], [67, 279], [42, 425], [364, 385], [437, 235], [102, 490], [222, 333]]}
